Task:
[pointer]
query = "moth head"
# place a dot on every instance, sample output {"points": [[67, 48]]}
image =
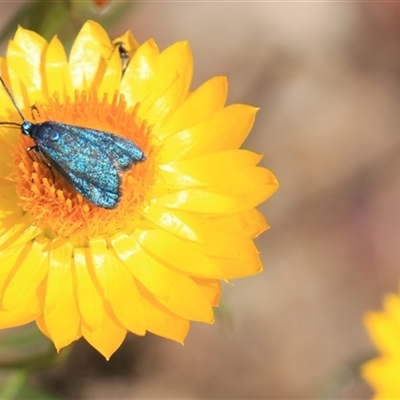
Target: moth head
{"points": [[26, 128]]}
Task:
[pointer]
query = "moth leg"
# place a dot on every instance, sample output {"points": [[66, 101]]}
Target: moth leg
{"points": [[39, 155], [34, 108]]}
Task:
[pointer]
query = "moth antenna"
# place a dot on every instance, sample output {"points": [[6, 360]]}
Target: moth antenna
{"points": [[12, 99], [11, 124]]}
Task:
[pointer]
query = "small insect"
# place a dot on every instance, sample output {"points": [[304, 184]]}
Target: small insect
{"points": [[89, 159], [123, 55]]}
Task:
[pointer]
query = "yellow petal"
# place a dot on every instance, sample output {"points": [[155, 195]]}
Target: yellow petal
{"points": [[138, 80], [160, 321], [250, 222], [118, 287], [240, 267], [249, 187], [198, 200], [111, 77], [11, 259], [219, 241], [24, 313], [90, 302], [61, 314], [107, 339], [226, 130], [42, 326], [32, 44], [8, 111], [161, 107], [176, 222], [8, 140], [392, 309], [173, 290], [129, 42], [208, 169], [211, 95], [384, 332], [171, 84], [15, 234], [176, 61], [8, 200], [35, 266], [24, 55], [124, 296], [89, 55], [211, 236], [383, 374], [211, 288], [58, 78], [178, 254]]}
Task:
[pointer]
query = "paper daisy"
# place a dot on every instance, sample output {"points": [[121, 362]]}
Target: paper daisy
{"points": [[383, 373], [186, 217]]}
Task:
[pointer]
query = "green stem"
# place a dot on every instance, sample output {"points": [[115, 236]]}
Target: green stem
{"points": [[43, 360], [14, 386]]}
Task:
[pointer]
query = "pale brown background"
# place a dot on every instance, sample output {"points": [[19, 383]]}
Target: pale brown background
{"points": [[326, 76]]}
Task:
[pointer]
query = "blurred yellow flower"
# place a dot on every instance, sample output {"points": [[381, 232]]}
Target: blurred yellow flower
{"points": [[383, 373], [186, 218]]}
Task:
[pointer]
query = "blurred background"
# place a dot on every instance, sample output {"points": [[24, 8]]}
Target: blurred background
{"points": [[327, 79]]}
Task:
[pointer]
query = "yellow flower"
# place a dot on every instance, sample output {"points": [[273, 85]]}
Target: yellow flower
{"points": [[186, 217], [383, 373]]}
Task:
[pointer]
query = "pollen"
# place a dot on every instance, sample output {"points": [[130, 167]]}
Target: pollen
{"points": [[51, 200]]}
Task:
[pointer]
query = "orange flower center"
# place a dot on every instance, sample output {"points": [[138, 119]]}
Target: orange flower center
{"points": [[54, 204]]}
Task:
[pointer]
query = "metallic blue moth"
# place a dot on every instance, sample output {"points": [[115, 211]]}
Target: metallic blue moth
{"points": [[89, 159]]}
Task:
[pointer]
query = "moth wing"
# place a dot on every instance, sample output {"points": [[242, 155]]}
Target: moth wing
{"points": [[90, 160], [99, 185], [95, 193], [124, 152], [88, 169]]}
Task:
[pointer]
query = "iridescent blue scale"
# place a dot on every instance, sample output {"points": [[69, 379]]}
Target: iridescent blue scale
{"points": [[90, 160]]}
